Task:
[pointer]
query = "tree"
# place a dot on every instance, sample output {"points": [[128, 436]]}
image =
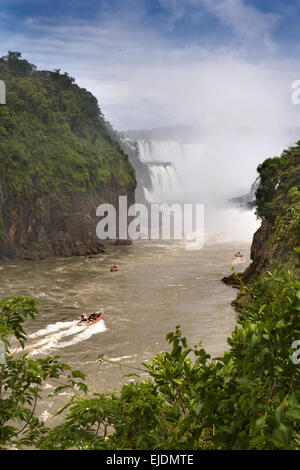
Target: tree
{"points": [[287, 225], [19, 67], [249, 398], [277, 176], [22, 379]]}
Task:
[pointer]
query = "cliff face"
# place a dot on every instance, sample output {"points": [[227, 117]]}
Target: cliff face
{"points": [[50, 225], [263, 252], [277, 178], [141, 169], [58, 163]]}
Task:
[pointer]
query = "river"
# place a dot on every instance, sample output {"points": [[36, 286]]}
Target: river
{"points": [[159, 285]]}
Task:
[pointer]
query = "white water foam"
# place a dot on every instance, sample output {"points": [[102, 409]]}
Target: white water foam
{"points": [[51, 336], [50, 329], [238, 261]]}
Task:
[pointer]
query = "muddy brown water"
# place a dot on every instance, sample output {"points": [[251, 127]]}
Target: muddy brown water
{"points": [[158, 286]]}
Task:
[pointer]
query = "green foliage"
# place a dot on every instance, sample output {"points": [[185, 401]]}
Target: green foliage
{"points": [[247, 399], [19, 67], [14, 311], [22, 379], [53, 137], [287, 225], [277, 177]]}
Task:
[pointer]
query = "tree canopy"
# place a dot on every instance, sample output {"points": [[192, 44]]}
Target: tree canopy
{"points": [[53, 137], [277, 176]]}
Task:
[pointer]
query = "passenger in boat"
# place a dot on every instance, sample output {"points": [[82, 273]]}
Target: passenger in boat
{"points": [[94, 316], [239, 255], [83, 318]]}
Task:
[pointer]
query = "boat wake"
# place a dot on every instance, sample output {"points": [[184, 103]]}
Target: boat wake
{"points": [[236, 261], [61, 335]]}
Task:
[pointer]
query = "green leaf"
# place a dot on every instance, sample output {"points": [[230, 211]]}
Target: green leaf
{"points": [[293, 413]]}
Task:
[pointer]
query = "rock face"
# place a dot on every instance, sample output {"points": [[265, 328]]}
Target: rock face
{"points": [[274, 192], [263, 253], [141, 169], [58, 163], [46, 228]]}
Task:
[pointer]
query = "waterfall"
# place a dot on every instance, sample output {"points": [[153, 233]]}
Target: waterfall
{"points": [[160, 151], [253, 190], [204, 168], [163, 178], [144, 151], [163, 159]]}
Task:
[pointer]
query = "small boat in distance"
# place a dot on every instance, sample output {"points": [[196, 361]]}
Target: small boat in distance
{"points": [[114, 268], [91, 319], [238, 258]]}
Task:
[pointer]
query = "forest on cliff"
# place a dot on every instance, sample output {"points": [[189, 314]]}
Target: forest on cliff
{"points": [[56, 154]]}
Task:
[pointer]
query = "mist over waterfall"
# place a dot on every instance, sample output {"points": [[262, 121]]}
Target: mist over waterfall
{"points": [[160, 151], [213, 167]]}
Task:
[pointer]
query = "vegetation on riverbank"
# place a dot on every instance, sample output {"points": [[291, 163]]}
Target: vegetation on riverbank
{"points": [[277, 176], [247, 399], [277, 206]]}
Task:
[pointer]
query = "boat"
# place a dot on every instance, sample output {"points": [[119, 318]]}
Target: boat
{"points": [[90, 323], [114, 268]]}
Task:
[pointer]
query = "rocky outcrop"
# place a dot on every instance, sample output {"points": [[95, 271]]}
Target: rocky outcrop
{"points": [[58, 162], [247, 201], [275, 192], [264, 251], [141, 169], [45, 228]]}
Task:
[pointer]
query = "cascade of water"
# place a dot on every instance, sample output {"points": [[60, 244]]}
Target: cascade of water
{"points": [[144, 151], [207, 169], [163, 178], [162, 158], [160, 151], [254, 188]]}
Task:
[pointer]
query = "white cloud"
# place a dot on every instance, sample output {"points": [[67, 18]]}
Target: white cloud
{"points": [[241, 104], [247, 22], [142, 80], [176, 8]]}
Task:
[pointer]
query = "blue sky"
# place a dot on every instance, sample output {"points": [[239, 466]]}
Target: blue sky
{"points": [[179, 20], [141, 57]]}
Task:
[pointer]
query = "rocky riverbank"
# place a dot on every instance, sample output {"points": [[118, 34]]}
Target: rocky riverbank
{"points": [[263, 252], [279, 182]]}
